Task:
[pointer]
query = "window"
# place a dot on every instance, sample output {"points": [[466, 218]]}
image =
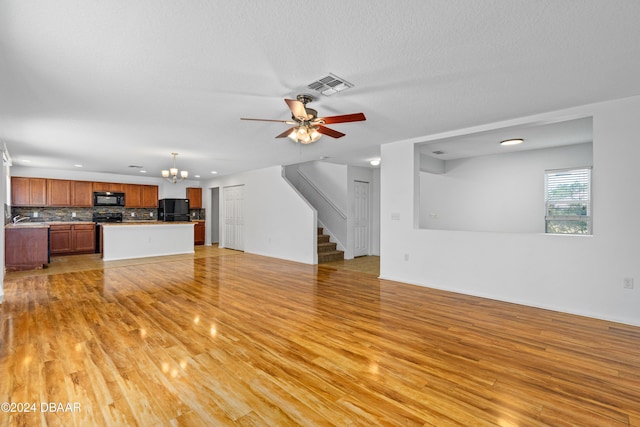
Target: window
{"points": [[568, 201]]}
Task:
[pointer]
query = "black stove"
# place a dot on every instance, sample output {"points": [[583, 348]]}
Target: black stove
{"points": [[107, 217], [101, 218]]}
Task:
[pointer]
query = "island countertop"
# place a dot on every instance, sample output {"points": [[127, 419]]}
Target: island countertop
{"points": [[130, 223]]}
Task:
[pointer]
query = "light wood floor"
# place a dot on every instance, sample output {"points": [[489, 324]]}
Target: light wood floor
{"points": [[225, 338]]}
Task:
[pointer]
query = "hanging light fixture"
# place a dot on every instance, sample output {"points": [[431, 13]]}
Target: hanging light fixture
{"points": [[171, 175], [305, 134]]}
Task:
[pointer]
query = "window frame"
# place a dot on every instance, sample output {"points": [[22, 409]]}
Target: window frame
{"points": [[587, 217]]}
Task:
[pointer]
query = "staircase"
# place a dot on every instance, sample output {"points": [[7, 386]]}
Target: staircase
{"points": [[327, 250]]}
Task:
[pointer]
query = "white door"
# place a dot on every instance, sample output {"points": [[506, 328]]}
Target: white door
{"points": [[234, 217], [361, 218]]}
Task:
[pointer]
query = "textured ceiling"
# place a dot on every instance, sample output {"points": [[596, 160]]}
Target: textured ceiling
{"points": [[108, 84]]}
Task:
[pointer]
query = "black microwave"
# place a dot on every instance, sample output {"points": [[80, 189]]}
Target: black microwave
{"points": [[107, 198]]}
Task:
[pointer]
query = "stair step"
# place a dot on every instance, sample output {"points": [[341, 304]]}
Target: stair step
{"points": [[323, 238], [326, 247], [327, 251], [330, 256]]}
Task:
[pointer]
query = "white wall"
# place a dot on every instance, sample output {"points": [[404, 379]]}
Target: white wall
{"points": [[278, 222], [502, 192], [166, 189], [324, 186], [330, 179], [575, 274]]}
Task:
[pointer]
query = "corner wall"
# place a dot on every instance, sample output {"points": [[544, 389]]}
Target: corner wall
{"points": [[575, 274], [278, 222]]}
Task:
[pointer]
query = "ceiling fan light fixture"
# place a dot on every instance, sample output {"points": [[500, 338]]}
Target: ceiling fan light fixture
{"points": [[305, 134]]}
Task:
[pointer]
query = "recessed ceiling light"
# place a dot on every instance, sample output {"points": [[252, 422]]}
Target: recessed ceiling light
{"points": [[26, 161], [78, 166], [514, 141], [375, 162], [143, 171], [214, 172], [197, 176]]}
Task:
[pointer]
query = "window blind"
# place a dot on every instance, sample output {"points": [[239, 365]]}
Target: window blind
{"points": [[568, 201]]}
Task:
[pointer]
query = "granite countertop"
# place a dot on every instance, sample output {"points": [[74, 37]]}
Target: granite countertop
{"points": [[28, 225], [68, 222], [45, 224]]}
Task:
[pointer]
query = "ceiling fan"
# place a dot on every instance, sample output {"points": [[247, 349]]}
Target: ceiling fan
{"points": [[308, 126]]}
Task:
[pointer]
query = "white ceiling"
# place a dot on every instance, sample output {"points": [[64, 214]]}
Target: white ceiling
{"points": [[108, 84]]}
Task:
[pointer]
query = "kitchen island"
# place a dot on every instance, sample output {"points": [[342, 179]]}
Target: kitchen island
{"points": [[146, 239]]}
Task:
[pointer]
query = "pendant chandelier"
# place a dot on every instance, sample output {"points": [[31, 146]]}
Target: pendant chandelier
{"points": [[171, 175]]}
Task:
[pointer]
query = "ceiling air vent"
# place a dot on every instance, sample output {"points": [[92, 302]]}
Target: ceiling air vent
{"points": [[330, 84], [438, 152]]}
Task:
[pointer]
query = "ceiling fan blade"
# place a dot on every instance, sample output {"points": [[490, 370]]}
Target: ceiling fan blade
{"points": [[329, 132], [356, 117], [268, 120], [286, 132], [297, 109]]}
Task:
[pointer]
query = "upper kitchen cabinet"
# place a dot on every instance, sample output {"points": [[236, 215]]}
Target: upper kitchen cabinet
{"points": [[58, 192], [141, 196], [82, 193], [194, 195], [28, 191], [44, 192], [133, 196], [64, 193], [149, 196], [113, 187]]}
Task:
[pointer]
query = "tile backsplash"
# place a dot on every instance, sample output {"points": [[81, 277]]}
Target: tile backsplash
{"points": [[46, 214]]}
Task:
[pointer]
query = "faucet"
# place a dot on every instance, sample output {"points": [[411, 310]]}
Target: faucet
{"points": [[18, 218]]}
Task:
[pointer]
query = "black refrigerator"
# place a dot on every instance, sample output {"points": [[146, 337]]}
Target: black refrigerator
{"points": [[173, 210]]}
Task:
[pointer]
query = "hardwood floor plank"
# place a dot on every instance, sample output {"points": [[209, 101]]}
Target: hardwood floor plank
{"points": [[226, 338]]}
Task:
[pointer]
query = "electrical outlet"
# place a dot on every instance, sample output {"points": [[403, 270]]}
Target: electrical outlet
{"points": [[133, 214], [627, 283], [151, 214], [35, 214], [406, 257], [73, 214]]}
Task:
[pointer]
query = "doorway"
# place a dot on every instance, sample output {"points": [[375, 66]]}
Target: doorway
{"points": [[361, 218], [215, 215], [233, 206]]}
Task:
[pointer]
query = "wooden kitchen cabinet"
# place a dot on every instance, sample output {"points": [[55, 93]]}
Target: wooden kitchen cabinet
{"points": [[108, 186], [60, 239], [26, 248], [133, 196], [141, 196], [198, 233], [149, 196], [58, 192], [83, 238], [72, 239], [28, 191], [82, 193], [194, 195]]}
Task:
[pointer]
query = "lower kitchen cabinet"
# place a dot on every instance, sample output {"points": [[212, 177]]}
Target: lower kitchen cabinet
{"points": [[26, 248], [72, 239], [198, 233]]}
